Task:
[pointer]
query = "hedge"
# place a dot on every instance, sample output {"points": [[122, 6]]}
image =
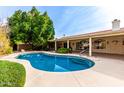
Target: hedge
{"points": [[64, 50]]}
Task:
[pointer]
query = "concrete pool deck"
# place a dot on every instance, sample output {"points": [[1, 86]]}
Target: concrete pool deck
{"points": [[108, 71]]}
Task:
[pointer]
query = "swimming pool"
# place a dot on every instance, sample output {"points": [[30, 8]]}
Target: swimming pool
{"points": [[57, 63]]}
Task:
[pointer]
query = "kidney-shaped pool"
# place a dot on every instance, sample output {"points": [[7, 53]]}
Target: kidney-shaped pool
{"points": [[57, 63]]}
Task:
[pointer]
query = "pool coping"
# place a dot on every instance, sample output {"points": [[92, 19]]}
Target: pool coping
{"points": [[27, 65], [57, 54], [22, 61]]}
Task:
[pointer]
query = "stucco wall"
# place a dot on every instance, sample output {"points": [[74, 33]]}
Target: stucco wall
{"points": [[73, 45], [112, 47]]}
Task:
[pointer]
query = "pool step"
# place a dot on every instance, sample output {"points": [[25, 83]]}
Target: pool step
{"points": [[79, 61]]}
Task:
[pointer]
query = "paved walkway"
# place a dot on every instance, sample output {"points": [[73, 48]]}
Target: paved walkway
{"points": [[108, 71]]}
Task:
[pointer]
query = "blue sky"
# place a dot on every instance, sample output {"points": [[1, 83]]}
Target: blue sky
{"points": [[72, 20]]}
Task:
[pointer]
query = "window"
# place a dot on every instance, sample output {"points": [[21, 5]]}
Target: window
{"points": [[78, 46], [99, 44], [65, 45], [83, 44]]}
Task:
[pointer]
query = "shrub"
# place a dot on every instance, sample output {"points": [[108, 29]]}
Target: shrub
{"points": [[12, 74], [64, 50], [4, 43], [9, 50]]}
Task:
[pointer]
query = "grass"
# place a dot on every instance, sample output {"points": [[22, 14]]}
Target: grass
{"points": [[12, 74]]}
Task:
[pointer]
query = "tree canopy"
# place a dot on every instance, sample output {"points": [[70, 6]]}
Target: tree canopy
{"points": [[32, 27]]}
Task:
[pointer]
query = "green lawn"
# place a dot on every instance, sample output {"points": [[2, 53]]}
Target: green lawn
{"points": [[12, 74]]}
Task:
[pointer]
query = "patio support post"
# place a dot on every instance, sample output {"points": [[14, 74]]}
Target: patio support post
{"points": [[56, 44], [90, 46], [67, 43]]}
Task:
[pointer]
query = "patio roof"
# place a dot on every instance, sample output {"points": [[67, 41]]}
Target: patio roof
{"points": [[104, 33]]}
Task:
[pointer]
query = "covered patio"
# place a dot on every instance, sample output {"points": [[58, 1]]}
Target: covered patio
{"points": [[109, 42]]}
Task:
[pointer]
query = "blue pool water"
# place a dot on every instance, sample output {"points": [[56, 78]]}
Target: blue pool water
{"points": [[57, 63]]}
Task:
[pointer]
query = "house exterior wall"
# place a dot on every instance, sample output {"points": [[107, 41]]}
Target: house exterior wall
{"points": [[73, 44], [113, 45], [60, 44]]}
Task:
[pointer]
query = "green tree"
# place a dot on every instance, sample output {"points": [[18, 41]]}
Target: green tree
{"points": [[15, 27], [31, 27], [44, 32]]}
